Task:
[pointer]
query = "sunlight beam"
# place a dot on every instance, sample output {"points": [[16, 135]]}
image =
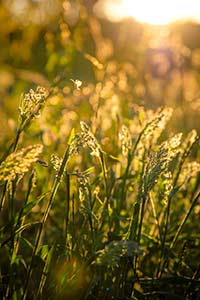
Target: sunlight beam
{"points": [[154, 12]]}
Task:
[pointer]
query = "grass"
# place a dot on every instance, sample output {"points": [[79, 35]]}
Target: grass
{"points": [[80, 222]]}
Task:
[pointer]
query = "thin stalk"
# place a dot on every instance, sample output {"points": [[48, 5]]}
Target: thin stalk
{"points": [[15, 238], [3, 195], [160, 269], [123, 190], [10, 287], [132, 230], [103, 166], [182, 160], [46, 213], [90, 220], [190, 288], [12, 209], [155, 217], [12, 148], [66, 223], [45, 272], [194, 202], [106, 202], [15, 245], [73, 222], [136, 230], [133, 226], [131, 154], [141, 219], [167, 222], [16, 142], [19, 221]]}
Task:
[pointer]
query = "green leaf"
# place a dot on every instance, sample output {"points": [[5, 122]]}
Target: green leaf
{"points": [[88, 171], [28, 243], [71, 137], [174, 191], [29, 206], [113, 157], [22, 228], [44, 251]]}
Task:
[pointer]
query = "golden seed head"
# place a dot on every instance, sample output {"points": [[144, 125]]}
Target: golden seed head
{"points": [[56, 162], [191, 138], [155, 127], [125, 139], [32, 102], [89, 140], [19, 162], [159, 161], [189, 170]]}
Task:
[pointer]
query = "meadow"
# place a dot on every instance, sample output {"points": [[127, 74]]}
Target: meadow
{"points": [[99, 159]]}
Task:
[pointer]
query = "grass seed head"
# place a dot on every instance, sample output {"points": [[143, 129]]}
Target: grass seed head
{"points": [[125, 139], [173, 145], [89, 140], [167, 181], [189, 170], [56, 162], [159, 161], [34, 179], [75, 145], [19, 162], [32, 102], [155, 127], [83, 182], [190, 140]]}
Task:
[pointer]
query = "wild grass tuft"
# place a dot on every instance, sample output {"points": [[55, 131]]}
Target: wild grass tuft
{"points": [[83, 223]]}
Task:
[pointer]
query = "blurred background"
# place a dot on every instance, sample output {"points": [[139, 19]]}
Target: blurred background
{"points": [[130, 56]]}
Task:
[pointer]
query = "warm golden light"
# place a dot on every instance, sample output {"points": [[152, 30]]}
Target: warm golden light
{"points": [[156, 12]]}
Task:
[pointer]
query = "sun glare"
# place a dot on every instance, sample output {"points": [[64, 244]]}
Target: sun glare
{"points": [[156, 12]]}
